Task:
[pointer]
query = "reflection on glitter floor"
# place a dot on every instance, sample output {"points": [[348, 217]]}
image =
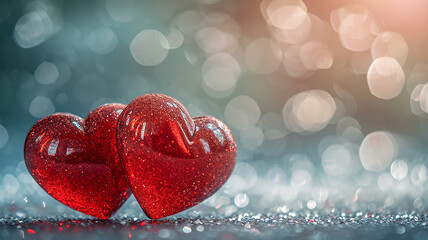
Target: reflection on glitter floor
{"points": [[310, 226]]}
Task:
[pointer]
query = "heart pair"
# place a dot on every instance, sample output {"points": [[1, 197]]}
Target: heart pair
{"points": [[151, 147]]}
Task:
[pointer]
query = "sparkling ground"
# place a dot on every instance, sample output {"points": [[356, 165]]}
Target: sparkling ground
{"points": [[288, 226]]}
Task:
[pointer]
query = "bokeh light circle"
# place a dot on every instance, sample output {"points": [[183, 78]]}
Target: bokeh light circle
{"points": [[242, 112], [377, 151], [149, 47], [385, 78]]}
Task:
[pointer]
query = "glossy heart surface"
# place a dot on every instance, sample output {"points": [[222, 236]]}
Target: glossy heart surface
{"points": [[75, 160], [172, 162]]}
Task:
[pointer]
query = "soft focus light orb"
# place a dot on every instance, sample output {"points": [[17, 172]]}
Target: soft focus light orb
{"points": [[187, 229], [418, 104], [175, 38], [248, 173], [223, 60], [336, 160], [419, 174], [311, 204], [315, 110], [190, 21], [315, 55], [263, 56], [244, 177], [32, 29], [346, 122], [242, 112], [310, 110], [399, 169], [241, 200], [120, 11], [46, 73], [390, 44], [385, 78], [273, 126], [293, 62], [300, 178], [354, 25], [287, 17], [213, 40], [164, 233], [10, 184], [220, 79], [423, 97], [217, 93], [276, 175], [4, 136], [41, 106], [149, 47], [252, 137], [102, 40], [377, 151]]}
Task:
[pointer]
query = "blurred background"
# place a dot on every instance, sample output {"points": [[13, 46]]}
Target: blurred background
{"points": [[327, 100]]}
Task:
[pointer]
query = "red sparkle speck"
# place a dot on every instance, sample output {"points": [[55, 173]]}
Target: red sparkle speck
{"points": [[31, 231]]}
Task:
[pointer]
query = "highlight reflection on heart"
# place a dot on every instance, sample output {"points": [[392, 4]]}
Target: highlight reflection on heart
{"points": [[171, 161], [75, 160]]}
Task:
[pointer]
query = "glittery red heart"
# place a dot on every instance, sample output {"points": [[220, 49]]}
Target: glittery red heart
{"points": [[172, 162], [75, 160]]}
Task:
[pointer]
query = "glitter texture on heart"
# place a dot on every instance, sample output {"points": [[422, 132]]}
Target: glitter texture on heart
{"points": [[75, 160], [172, 162]]}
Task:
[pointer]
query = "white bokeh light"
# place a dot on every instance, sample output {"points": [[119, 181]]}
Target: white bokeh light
{"points": [[41, 106], [355, 27], [241, 200], [149, 47], [223, 60], [315, 55], [220, 79], [377, 151], [175, 38], [213, 40], [46, 73], [102, 40], [309, 111], [242, 112], [252, 137], [32, 29], [289, 19], [390, 44], [336, 160], [399, 169], [385, 78]]}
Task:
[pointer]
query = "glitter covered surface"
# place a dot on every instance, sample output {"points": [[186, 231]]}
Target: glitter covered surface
{"points": [[76, 161], [171, 161], [285, 226]]}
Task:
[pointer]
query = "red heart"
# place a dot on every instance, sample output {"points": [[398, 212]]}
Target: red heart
{"points": [[75, 160], [171, 161]]}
